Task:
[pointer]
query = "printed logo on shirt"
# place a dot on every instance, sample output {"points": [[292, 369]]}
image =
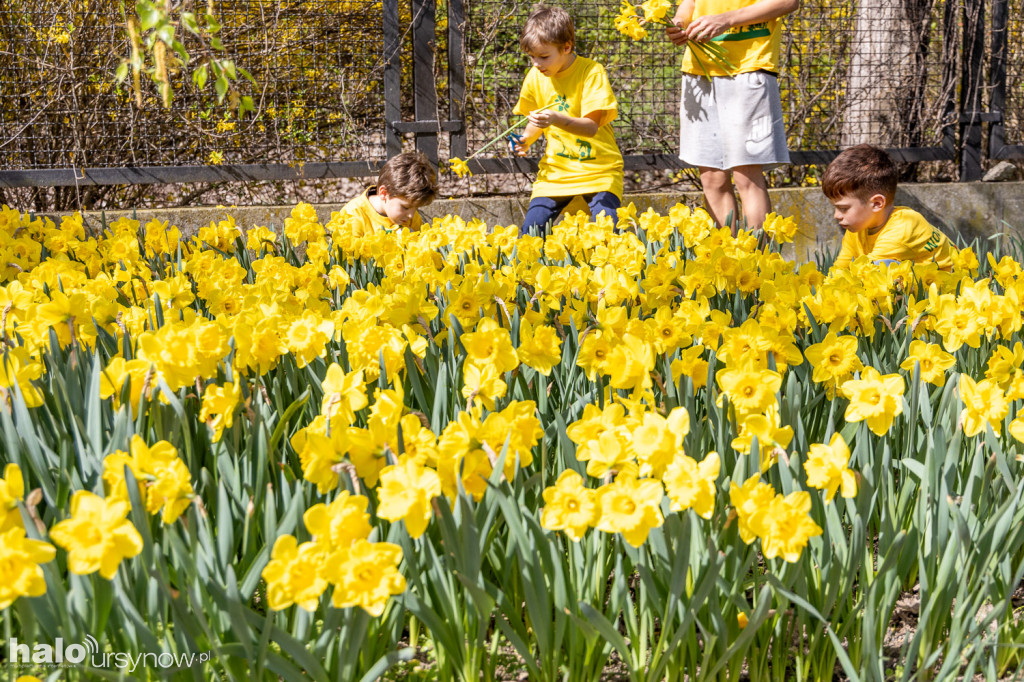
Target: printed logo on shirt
{"points": [[583, 152], [934, 241], [561, 104], [748, 32]]}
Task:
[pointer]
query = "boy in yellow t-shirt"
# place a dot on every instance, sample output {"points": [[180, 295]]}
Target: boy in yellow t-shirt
{"points": [[730, 123], [406, 183], [861, 184], [569, 99]]}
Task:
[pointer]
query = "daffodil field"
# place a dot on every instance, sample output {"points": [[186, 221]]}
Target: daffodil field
{"points": [[659, 453]]}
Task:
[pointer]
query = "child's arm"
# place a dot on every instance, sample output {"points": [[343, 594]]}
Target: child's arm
{"points": [[712, 25], [677, 31], [585, 126]]}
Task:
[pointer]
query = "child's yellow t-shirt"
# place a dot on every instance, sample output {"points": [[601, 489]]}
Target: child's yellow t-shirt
{"points": [[371, 221], [905, 236], [575, 165], [748, 48]]}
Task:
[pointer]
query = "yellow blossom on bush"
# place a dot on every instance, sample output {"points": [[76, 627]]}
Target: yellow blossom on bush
{"points": [[459, 167]]}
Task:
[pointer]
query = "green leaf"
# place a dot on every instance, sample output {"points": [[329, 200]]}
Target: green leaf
{"points": [[221, 86], [200, 75], [149, 14]]}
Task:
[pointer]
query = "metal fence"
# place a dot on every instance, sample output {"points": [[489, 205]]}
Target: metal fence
{"points": [[343, 84]]}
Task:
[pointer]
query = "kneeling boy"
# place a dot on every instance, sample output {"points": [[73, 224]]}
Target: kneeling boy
{"points": [[406, 183], [861, 184]]}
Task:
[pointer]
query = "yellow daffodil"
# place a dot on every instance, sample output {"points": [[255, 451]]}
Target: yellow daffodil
{"points": [[406, 489], [826, 468], [984, 403], [874, 398], [630, 507], [569, 506], [692, 485], [365, 574], [20, 574], [97, 536], [293, 574]]}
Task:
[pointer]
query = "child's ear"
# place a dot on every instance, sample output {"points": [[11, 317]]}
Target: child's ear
{"points": [[877, 202], [567, 48], [382, 192]]}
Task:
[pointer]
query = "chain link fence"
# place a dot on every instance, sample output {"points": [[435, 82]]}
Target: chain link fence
{"points": [[317, 65], [886, 72]]}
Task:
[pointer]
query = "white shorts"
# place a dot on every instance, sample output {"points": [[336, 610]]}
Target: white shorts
{"points": [[733, 121]]}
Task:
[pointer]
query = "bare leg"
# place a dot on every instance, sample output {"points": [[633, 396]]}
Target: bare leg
{"points": [[718, 194], [753, 191]]}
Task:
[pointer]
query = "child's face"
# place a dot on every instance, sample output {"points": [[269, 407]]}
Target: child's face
{"points": [[855, 214], [551, 59], [398, 210]]}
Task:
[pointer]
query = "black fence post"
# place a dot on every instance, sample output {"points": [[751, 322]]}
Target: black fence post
{"points": [[997, 78], [424, 86], [971, 89], [392, 77], [457, 76]]}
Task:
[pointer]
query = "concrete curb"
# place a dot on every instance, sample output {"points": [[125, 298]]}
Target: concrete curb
{"points": [[972, 210]]}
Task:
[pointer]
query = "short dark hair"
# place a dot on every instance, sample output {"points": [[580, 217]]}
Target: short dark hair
{"points": [[409, 176], [547, 24], [862, 171]]}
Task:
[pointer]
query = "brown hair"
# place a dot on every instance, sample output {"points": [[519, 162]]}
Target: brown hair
{"points": [[409, 176], [547, 24], [862, 171]]}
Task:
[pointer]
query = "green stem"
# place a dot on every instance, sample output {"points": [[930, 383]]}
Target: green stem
{"points": [[506, 132]]}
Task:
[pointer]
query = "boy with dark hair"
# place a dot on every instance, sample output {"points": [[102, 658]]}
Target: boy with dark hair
{"points": [[406, 183], [567, 98], [861, 184]]}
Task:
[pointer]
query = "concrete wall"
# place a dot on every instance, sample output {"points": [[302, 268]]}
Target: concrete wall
{"points": [[974, 210]]}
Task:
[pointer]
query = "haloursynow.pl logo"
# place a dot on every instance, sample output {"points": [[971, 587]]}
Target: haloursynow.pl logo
{"points": [[88, 653]]}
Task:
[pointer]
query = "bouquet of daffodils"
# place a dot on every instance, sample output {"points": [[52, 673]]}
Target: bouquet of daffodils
{"points": [[632, 19]]}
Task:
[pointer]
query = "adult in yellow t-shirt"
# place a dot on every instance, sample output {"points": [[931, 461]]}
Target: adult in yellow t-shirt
{"points": [[567, 98], [730, 120]]}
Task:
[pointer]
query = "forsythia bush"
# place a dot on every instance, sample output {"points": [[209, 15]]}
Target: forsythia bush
{"points": [[663, 452]]}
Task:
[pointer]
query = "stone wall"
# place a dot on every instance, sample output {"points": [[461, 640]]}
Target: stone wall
{"points": [[972, 210]]}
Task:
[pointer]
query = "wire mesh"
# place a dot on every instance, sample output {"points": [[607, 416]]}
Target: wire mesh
{"points": [[317, 64], [877, 71], [851, 72], [1013, 113]]}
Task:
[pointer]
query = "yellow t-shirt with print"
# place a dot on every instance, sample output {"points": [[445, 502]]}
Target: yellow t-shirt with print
{"points": [[748, 48], [371, 221], [574, 165], [906, 236]]}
